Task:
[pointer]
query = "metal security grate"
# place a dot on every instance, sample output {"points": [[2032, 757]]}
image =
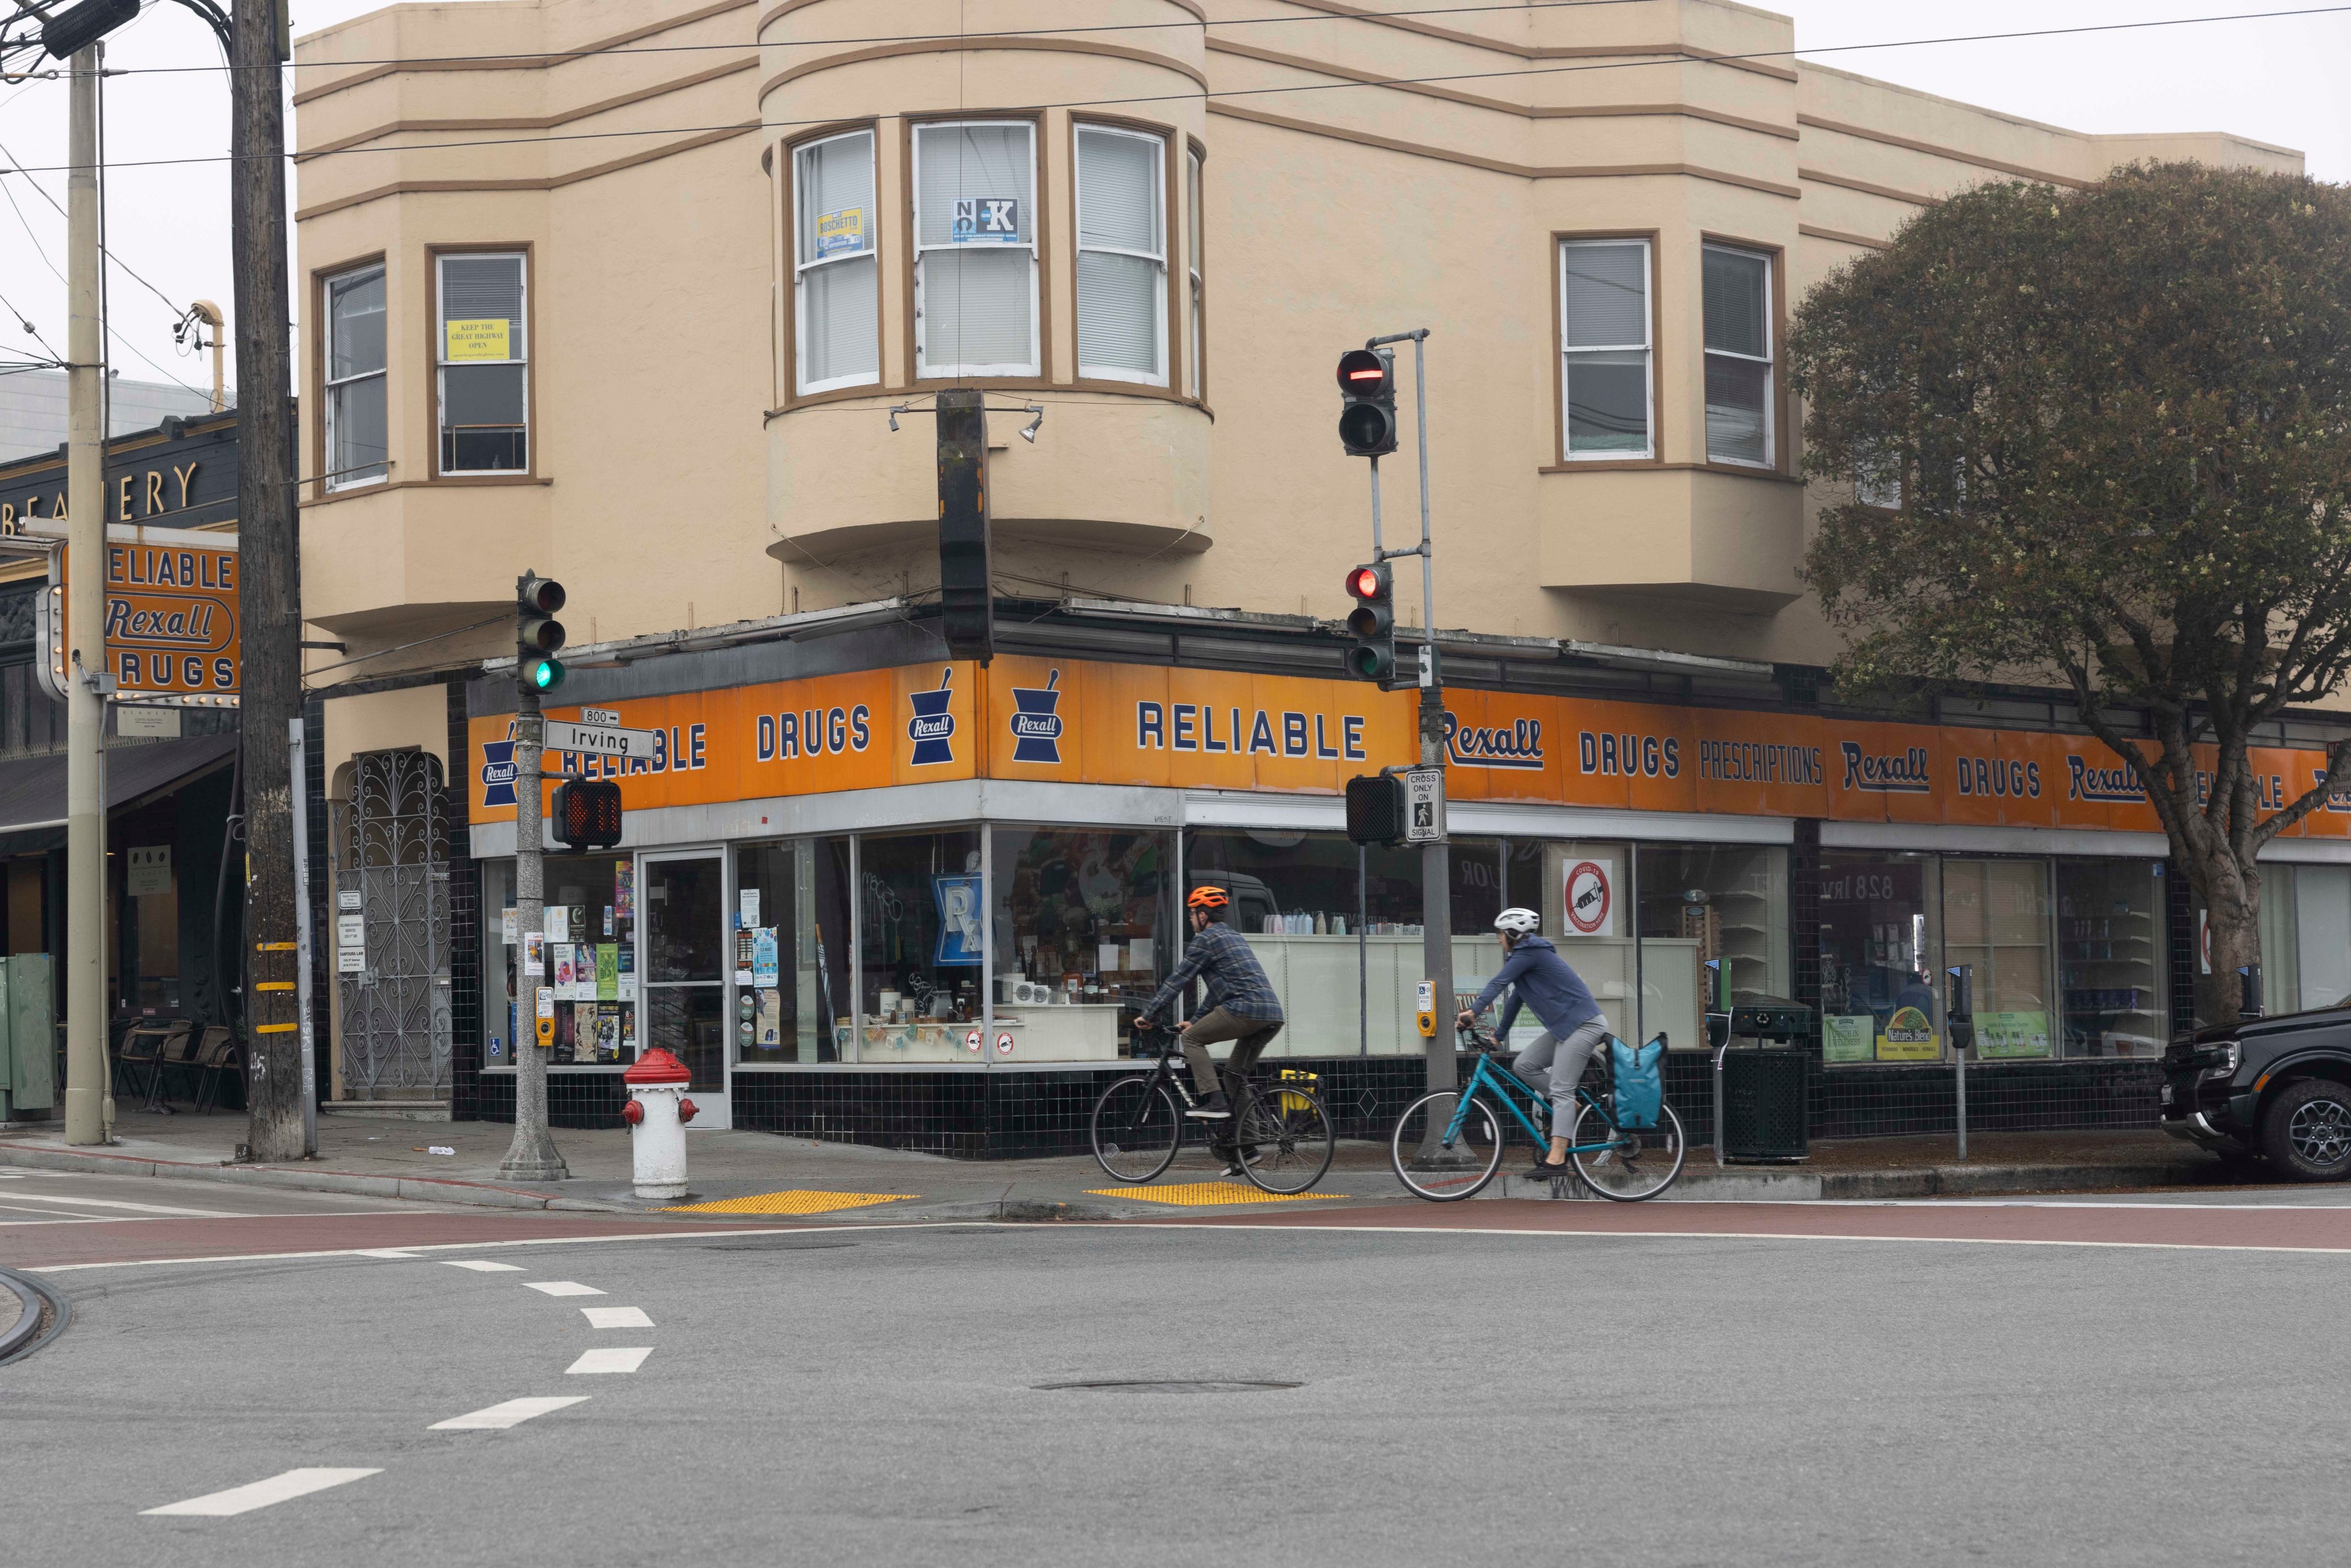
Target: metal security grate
{"points": [[395, 1026]]}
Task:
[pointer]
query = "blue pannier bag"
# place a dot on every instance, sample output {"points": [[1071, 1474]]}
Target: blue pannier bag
{"points": [[1640, 1081]]}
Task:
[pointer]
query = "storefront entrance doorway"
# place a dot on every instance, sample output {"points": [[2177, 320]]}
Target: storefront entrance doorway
{"points": [[685, 931], [391, 889]]}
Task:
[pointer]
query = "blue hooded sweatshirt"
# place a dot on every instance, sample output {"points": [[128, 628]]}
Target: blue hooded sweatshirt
{"points": [[1545, 985]]}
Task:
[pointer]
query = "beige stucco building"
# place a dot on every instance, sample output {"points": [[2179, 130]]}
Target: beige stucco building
{"points": [[650, 296]]}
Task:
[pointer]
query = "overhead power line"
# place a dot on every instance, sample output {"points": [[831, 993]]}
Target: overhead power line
{"points": [[1647, 62]]}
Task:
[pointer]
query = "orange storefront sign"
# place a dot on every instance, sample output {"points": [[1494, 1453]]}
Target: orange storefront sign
{"points": [[1078, 721]]}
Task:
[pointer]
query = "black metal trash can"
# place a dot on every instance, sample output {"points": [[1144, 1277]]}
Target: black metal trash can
{"points": [[1763, 1105]]}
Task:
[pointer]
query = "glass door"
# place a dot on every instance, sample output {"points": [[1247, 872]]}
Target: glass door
{"points": [[685, 929]]}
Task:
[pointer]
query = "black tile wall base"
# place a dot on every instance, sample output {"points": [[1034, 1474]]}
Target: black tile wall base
{"points": [[1019, 1115]]}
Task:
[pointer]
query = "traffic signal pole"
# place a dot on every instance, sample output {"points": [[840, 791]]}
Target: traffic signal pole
{"points": [[532, 1156]]}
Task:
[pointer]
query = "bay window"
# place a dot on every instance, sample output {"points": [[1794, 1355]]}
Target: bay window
{"points": [[975, 249], [836, 273], [357, 442], [1604, 321], [1738, 290], [1121, 254], [484, 370]]}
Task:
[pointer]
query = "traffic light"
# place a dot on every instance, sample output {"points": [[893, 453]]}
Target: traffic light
{"points": [[1375, 809], [538, 633], [967, 596], [1372, 622], [1367, 415], [588, 813]]}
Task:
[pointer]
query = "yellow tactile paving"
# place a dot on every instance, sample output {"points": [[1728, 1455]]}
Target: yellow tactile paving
{"points": [[1206, 1194], [798, 1200]]}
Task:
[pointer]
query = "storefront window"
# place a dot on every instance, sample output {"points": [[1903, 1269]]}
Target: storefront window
{"points": [[2322, 897], [1081, 924], [590, 923], [684, 958], [791, 907], [1702, 903], [920, 946], [1881, 947], [2111, 956], [1996, 926]]}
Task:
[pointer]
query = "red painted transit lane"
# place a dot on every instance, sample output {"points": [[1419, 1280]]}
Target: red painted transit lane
{"points": [[2081, 1224], [180, 1239]]}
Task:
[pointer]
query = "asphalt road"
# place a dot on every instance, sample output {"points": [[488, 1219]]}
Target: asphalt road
{"points": [[1837, 1385]]}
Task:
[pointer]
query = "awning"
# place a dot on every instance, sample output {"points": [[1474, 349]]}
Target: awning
{"points": [[33, 789]]}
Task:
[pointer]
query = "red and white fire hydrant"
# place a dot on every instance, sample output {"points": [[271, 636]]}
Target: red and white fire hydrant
{"points": [[657, 1113]]}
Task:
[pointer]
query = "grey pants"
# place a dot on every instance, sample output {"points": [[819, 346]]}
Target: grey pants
{"points": [[1554, 1067], [1250, 1036]]}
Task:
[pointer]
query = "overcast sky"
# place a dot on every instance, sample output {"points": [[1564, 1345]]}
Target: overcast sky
{"points": [[2276, 80]]}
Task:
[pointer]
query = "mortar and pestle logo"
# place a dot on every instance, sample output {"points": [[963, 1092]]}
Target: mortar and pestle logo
{"points": [[932, 729], [1036, 726]]}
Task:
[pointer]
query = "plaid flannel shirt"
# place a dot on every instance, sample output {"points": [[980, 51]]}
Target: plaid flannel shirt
{"points": [[1228, 971]]}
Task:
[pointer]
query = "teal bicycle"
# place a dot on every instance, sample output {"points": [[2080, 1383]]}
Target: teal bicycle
{"points": [[1447, 1146]]}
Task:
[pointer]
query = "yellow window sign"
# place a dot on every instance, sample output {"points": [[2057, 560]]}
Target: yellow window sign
{"points": [[479, 339], [839, 233]]}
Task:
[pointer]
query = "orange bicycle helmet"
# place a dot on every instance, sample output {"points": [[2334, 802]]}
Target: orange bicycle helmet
{"points": [[1206, 898]]}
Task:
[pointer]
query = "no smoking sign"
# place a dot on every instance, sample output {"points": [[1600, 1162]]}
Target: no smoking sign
{"points": [[1590, 897]]}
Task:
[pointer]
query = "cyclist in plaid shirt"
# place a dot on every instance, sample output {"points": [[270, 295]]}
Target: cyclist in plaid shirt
{"points": [[1242, 1006]]}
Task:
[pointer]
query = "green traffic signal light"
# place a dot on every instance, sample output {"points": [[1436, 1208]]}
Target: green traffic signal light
{"points": [[546, 674]]}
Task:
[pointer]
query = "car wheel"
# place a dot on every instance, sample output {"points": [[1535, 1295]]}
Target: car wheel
{"points": [[2307, 1131]]}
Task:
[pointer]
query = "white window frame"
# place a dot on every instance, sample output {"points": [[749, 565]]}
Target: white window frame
{"points": [[330, 384], [441, 360], [1196, 367], [1767, 359], [803, 265], [923, 369], [1158, 143], [1646, 348]]}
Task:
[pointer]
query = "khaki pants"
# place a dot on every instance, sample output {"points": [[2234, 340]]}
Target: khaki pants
{"points": [[1250, 1036]]}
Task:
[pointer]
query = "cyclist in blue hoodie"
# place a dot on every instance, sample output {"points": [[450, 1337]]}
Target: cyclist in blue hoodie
{"points": [[1573, 1025]]}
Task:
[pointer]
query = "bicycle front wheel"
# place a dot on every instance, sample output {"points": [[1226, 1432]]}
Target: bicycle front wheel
{"points": [[1137, 1127], [1638, 1162], [1285, 1139], [1439, 1170]]}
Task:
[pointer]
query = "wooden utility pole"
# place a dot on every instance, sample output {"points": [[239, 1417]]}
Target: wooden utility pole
{"points": [[279, 1081]]}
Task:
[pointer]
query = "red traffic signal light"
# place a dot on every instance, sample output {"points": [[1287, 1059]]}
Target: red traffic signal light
{"points": [[1368, 581], [1364, 373], [1372, 622], [1367, 422], [588, 813]]}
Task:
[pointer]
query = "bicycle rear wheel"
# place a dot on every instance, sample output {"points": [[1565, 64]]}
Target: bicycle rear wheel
{"points": [[1639, 1161], [1458, 1169], [1137, 1127], [1285, 1138]]}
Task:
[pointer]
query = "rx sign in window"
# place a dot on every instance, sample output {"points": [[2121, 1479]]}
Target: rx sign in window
{"points": [[987, 219]]}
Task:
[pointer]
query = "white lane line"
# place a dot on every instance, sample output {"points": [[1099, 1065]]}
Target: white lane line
{"points": [[613, 1358], [561, 1288], [261, 1494], [617, 1318], [25, 1198], [383, 1252], [483, 1266], [499, 1418]]}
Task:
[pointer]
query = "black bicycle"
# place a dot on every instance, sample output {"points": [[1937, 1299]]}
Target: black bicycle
{"points": [[1283, 1137]]}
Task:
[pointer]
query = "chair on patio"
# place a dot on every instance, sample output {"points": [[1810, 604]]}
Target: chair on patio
{"points": [[220, 1058]]}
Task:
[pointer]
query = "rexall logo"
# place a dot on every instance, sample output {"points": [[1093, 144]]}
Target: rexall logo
{"points": [[1036, 722], [932, 729], [498, 769]]}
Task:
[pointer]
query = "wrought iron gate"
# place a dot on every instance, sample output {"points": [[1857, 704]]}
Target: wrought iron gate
{"points": [[393, 865]]}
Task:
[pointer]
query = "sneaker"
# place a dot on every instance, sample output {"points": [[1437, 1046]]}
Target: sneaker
{"points": [[1538, 1171], [1213, 1108]]}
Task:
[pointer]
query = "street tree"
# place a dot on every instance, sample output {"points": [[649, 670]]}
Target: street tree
{"points": [[2103, 436]]}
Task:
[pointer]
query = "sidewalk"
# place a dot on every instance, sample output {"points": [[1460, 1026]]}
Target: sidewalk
{"points": [[746, 1173]]}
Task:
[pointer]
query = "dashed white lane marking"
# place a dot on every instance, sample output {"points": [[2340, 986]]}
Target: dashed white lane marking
{"points": [[611, 1358], [499, 1418], [261, 1494], [45, 1197], [617, 1318], [483, 1266], [561, 1288]]}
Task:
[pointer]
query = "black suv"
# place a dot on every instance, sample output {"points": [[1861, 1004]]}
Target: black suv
{"points": [[2280, 1087]]}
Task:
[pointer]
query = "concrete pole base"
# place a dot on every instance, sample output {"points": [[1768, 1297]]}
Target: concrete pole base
{"points": [[511, 1169], [661, 1189]]}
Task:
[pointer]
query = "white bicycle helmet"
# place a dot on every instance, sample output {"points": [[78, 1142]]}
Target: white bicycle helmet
{"points": [[1519, 921]]}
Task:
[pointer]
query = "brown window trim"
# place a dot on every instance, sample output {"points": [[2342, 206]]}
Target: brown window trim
{"points": [[317, 444], [1558, 287], [1170, 191], [1195, 147], [1040, 182], [1782, 430], [788, 379], [432, 254]]}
